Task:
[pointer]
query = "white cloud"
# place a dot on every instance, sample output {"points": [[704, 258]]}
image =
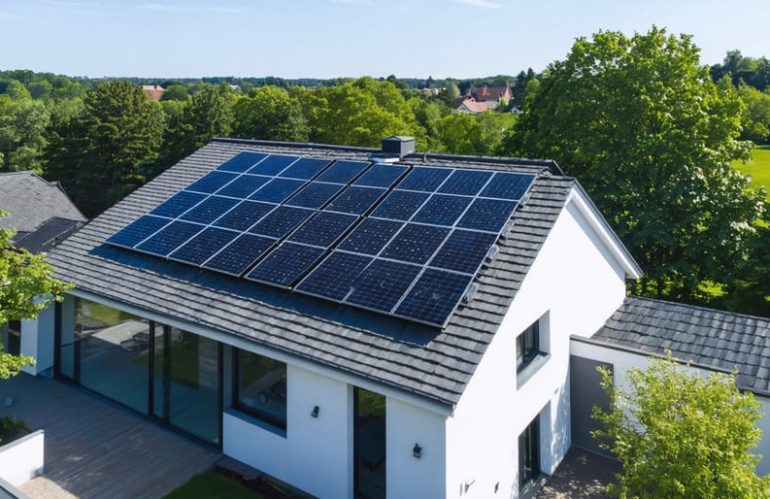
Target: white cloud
{"points": [[484, 4]]}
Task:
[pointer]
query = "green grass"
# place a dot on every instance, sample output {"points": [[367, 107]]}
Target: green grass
{"points": [[758, 167], [212, 485]]}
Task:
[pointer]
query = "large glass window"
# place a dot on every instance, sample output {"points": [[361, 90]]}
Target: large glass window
{"points": [[260, 387], [114, 353], [529, 453], [12, 338], [527, 346], [369, 440]]}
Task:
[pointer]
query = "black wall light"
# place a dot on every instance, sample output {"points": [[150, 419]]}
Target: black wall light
{"points": [[417, 451], [315, 411]]}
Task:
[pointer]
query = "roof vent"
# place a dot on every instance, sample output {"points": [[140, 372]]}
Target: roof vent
{"points": [[396, 146]]}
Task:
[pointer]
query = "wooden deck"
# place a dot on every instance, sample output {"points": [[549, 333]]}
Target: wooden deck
{"points": [[95, 448]]}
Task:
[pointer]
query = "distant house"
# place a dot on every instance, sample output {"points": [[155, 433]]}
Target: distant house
{"points": [[42, 216], [153, 92], [484, 98]]}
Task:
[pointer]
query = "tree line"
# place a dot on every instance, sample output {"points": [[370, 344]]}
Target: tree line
{"points": [[650, 131]]}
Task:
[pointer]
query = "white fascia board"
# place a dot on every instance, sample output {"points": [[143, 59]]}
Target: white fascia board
{"points": [[597, 222], [242, 343]]}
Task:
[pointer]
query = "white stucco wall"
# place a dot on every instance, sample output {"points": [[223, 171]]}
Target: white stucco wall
{"points": [[315, 454], [22, 459], [622, 361], [37, 340], [576, 282]]}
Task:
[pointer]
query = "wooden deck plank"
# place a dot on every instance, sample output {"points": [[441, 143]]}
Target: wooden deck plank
{"points": [[97, 449]]}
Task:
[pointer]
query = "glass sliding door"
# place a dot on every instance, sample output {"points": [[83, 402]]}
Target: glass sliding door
{"points": [[529, 453], [369, 444], [194, 385], [113, 353]]}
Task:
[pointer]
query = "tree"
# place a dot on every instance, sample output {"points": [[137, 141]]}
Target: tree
{"points": [[451, 92], [23, 124], [175, 92], [98, 156], [26, 288], [640, 123], [270, 113], [479, 134], [756, 114], [210, 114], [679, 435]]}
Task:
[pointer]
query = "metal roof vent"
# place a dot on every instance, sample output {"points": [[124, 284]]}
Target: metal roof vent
{"points": [[394, 148]]}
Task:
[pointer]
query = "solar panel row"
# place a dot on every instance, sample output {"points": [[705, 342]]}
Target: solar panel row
{"points": [[405, 241]]}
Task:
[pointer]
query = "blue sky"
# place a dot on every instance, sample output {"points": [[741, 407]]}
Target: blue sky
{"points": [[327, 38]]}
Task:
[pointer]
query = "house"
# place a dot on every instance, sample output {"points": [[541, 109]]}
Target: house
{"points": [[42, 216], [289, 331], [484, 98], [469, 105], [153, 92]]}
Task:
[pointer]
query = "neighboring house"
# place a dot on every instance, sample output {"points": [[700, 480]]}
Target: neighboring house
{"points": [[42, 216], [471, 382], [469, 105], [483, 98], [153, 92]]}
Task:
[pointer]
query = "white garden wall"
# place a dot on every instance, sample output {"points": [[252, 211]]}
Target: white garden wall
{"points": [[22, 459]]}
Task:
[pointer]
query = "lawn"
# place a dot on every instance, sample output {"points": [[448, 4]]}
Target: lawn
{"points": [[212, 485], [758, 167]]}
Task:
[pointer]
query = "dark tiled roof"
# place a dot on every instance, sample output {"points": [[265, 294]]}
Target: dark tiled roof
{"points": [[710, 338], [421, 360], [38, 210]]}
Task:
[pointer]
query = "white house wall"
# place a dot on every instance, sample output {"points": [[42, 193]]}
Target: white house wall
{"points": [[576, 282], [623, 360]]}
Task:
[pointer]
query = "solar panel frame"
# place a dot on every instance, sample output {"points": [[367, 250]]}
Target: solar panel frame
{"points": [[513, 183], [400, 205], [314, 195], [424, 179], [463, 251], [356, 239], [381, 175], [209, 209], [488, 214], [305, 168], [155, 224], [203, 246], [276, 224], [251, 248], [323, 229], [244, 215], [343, 171], [211, 182], [466, 182], [243, 186], [442, 209], [169, 238], [242, 161], [381, 297], [178, 204], [415, 243], [285, 264], [356, 200], [277, 190], [273, 165], [440, 312], [336, 273]]}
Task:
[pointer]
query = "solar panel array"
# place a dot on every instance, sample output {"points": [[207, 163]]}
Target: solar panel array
{"points": [[402, 240]]}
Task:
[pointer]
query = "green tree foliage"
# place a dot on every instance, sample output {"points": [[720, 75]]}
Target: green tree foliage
{"points": [[640, 123], [740, 69], [175, 92], [26, 288], [481, 134], [451, 92], [210, 114], [756, 114], [23, 124], [680, 435], [98, 155], [270, 113]]}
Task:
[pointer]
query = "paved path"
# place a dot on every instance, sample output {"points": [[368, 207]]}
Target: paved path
{"points": [[97, 449], [581, 474]]}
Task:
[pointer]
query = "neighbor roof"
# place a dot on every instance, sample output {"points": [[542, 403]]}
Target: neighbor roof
{"points": [[39, 211], [435, 364], [703, 336]]}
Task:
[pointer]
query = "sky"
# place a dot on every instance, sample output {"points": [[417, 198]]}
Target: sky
{"points": [[350, 38]]}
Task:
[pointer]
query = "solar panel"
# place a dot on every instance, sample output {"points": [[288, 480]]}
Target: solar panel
{"points": [[209, 210], [333, 277], [416, 243], [323, 229], [371, 236], [277, 190], [279, 222], [382, 284], [201, 247], [244, 215], [314, 195], [356, 199], [272, 165], [240, 254], [212, 182], [285, 264], [342, 172], [442, 209], [243, 186], [138, 231], [400, 205], [424, 179], [464, 251], [403, 240], [487, 214], [465, 182], [434, 296], [305, 168], [170, 238], [381, 176], [242, 162], [178, 204], [508, 186]]}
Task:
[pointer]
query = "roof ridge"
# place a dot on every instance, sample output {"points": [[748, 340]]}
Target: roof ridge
{"points": [[698, 307]]}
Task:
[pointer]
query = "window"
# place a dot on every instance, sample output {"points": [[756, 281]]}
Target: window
{"points": [[528, 346], [529, 453], [260, 387]]}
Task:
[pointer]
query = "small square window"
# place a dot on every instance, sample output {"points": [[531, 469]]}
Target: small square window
{"points": [[260, 387], [528, 346]]}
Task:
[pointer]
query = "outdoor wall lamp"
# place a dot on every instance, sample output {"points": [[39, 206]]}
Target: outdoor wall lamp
{"points": [[417, 451], [315, 411]]}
